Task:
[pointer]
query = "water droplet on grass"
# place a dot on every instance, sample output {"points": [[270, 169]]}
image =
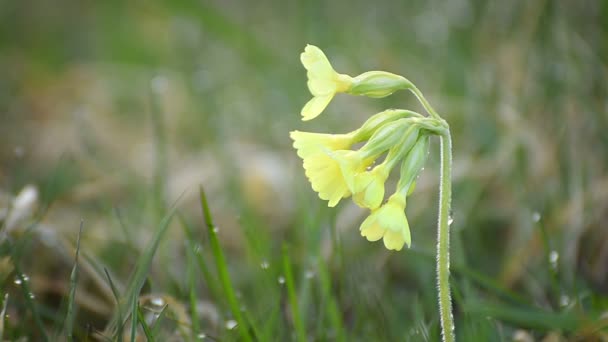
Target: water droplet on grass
{"points": [[309, 274], [281, 280], [553, 259], [201, 336], [231, 324], [216, 229], [19, 151], [264, 265], [450, 220], [536, 216], [157, 301], [159, 84], [564, 300]]}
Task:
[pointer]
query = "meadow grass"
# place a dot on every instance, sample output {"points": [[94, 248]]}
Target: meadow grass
{"points": [[118, 113]]}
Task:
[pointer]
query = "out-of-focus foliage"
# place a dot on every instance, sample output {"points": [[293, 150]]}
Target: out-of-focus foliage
{"points": [[115, 112]]}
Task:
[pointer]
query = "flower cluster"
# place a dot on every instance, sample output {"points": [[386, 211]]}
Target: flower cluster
{"points": [[337, 170]]}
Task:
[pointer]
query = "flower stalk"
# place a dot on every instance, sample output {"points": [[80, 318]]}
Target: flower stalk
{"points": [[336, 170]]}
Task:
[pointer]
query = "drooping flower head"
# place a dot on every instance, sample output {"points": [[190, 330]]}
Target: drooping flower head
{"points": [[323, 81], [368, 189], [389, 222]]}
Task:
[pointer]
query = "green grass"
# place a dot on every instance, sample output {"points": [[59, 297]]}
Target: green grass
{"points": [[118, 112]]}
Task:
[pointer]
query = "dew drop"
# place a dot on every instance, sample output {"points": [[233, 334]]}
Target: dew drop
{"points": [[201, 336], [216, 229], [450, 220], [157, 301], [281, 280], [536, 216], [564, 300], [553, 257], [265, 265], [159, 84], [231, 324], [32, 296], [18, 281], [309, 274], [19, 151]]}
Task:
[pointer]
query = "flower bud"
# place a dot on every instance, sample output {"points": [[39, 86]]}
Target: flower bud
{"points": [[413, 164], [384, 138], [378, 84], [379, 119]]}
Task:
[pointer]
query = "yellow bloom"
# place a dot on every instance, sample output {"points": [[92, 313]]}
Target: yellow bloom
{"points": [[308, 144], [324, 171], [323, 81], [388, 223], [368, 189]]}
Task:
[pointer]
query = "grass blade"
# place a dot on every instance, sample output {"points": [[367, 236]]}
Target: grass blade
{"points": [[222, 269], [118, 333], [192, 293], [3, 316], [134, 317], [69, 319], [144, 325], [158, 321], [293, 298], [142, 268]]}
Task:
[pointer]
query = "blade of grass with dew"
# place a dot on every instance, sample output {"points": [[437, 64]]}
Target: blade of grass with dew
{"points": [[119, 314], [142, 268], [222, 268], [191, 275], [3, 316], [142, 322], [293, 298], [27, 294], [210, 280], [69, 319]]}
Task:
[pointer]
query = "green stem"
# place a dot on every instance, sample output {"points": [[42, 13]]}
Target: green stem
{"points": [[443, 240], [427, 106]]}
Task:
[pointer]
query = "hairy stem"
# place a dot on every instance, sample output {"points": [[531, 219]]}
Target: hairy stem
{"points": [[443, 239], [427, 106]]}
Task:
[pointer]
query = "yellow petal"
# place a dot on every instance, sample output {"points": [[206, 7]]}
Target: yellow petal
{"points": [[320, 86], [393, 240], [371, 230], [315, 106], [314, 60]]}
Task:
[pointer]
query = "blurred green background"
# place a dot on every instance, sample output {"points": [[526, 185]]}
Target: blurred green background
{"points": [[115, 112]]}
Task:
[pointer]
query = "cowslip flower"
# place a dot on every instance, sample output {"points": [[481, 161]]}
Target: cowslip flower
{"points": [[308, 144], [368, 189], [323, 81], [331, 167], [389, 222]]}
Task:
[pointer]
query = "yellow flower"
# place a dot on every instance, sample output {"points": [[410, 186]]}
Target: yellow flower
{"points": [[308, 144], [368, 189], [388, 223], [323, 81], [326, 179]]}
